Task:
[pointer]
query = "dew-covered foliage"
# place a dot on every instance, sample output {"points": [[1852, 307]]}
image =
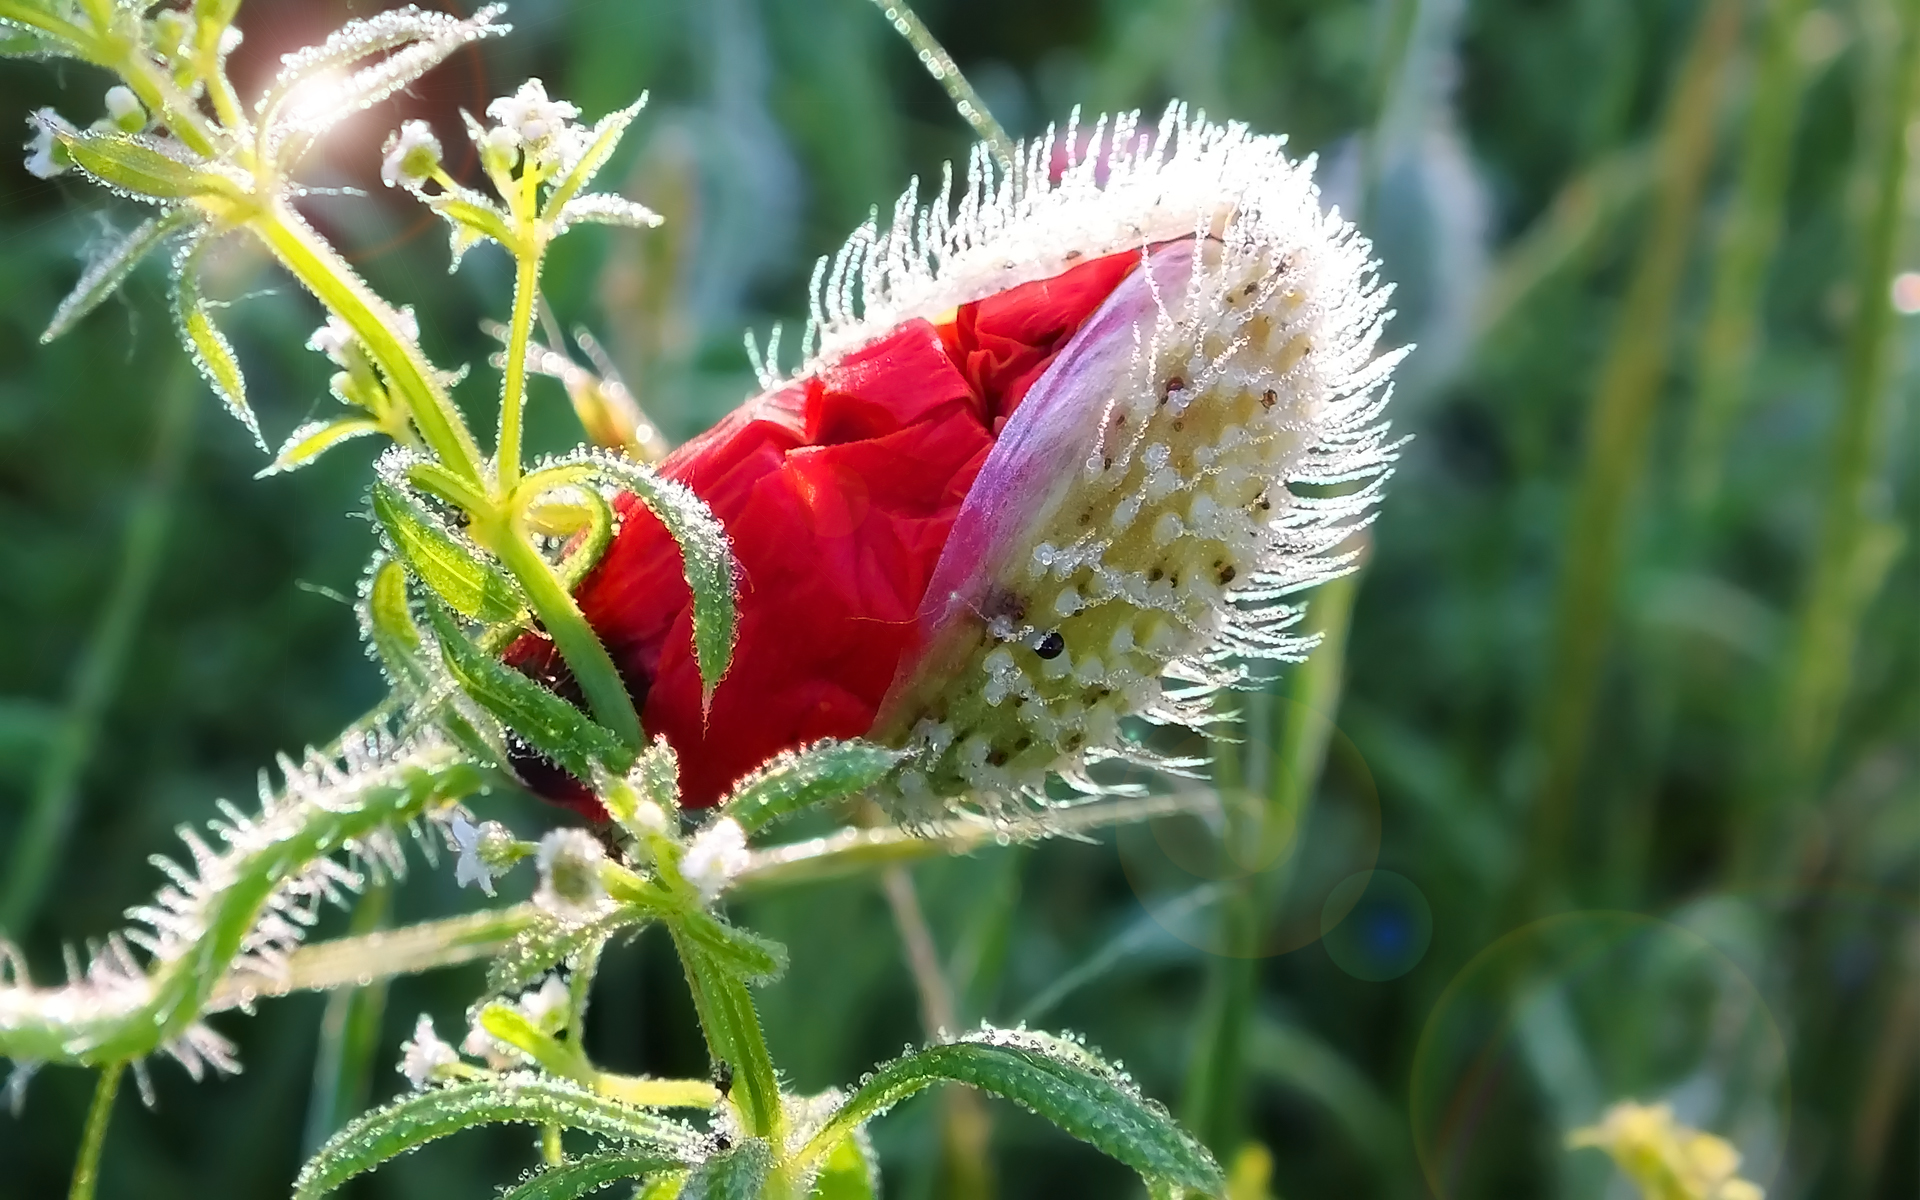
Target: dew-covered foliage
{"points": [[1472, 665]]}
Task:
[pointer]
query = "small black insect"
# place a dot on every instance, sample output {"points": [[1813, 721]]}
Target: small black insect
{"points": [[723, 1078], [1051, 645]]}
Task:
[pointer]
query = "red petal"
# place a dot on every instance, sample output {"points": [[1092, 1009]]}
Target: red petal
{"points": [[838, 493]]}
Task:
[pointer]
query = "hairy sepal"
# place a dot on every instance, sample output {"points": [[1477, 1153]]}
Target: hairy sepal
{"points": [[818, 774]]}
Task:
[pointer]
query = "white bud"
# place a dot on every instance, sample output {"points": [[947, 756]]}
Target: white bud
{"points": [[45, 158], [546, 1003], [718, 855], [412, 154], [570, 887], [425, 1058], [332, 340], [125, 110]]}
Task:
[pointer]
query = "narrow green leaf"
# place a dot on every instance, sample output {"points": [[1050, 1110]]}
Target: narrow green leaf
{"points": [[315, 438], [580, 1176], [549, 724], [474, 587], [418, 1119], [547, 943], [106, 273], [138, 166], [472, 214], [824, 771], [665, 1186], [508, 1025], [1056, 1079], [17, 41], [744, 955], [737, 1174], [607, 132], [212, 352], [705, 555], [850, 1172]]}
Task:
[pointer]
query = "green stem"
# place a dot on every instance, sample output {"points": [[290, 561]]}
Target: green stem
{"points": [[42, 837], [734, 1037], [320, 268], [593, 668], [1622, 413], [1746, 247], [86, 1172], [1856, 542], [513, 392]]}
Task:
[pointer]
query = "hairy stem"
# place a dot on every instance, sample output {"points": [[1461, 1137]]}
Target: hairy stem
{"points": [[513, 391], [319, 267], [939, 64], [86, 1172]]}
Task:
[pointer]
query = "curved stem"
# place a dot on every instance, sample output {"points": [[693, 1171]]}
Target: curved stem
{"points": [[593, 668], [319, 267], [86, 1172]]}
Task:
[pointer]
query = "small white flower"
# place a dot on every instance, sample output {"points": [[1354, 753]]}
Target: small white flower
{"points": [[550, 1000], [570, 887], [716, 857], [424, 1058], [125, 110], [332, 340], [412, 154], [545, 126], [481, 1045], [469, 868], [44, 159]]}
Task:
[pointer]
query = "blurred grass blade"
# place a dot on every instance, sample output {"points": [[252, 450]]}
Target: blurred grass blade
{"points": [[939, 64], [1858, 537], [415, 1120], [349, 1036], [39, 842], [1625, 397], [1745, 250]]}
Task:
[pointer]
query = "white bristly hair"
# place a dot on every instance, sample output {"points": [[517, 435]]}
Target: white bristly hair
{"points": [[1131, 542]]}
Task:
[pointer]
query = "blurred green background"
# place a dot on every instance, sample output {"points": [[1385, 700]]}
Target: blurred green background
{"points": [[1627, 716]]}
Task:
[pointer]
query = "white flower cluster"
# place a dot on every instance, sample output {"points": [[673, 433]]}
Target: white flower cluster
{"points": [[569, 862], [336, 339], [425, 1057], [545, 129], [716, 858], [411, 156]]}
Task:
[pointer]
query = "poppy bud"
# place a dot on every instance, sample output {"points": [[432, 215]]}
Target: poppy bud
{"points": [[1046, 461]]}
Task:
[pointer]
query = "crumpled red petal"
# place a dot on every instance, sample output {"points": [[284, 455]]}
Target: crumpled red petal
{"points": [[839, 492]]}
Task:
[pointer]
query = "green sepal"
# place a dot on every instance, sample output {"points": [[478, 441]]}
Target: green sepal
{"points": [[415, 1120], [547, 723], [1053, 1078], [473, 587], [509, 1026], [816, 774], [738, 1173], [210, 350], [580, 1176], [104, 276]]}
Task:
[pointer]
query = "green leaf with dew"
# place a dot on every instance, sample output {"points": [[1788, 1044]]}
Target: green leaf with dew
{"points": [[106, 273], [850, 1171], [546, 722], [415, 1120], [739, 1173], [443, 561], [211, 351], [138, 166], [315, 438], [581, 1176], [547, 943], [705, 555], [817, 774], [1054, 1078], [601, 143]]}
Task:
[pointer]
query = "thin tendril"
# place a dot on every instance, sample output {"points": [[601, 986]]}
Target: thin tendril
{"points": [[945, 72]]}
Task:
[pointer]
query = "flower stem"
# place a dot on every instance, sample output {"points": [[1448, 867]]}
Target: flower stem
{"points": [[513, 392], [593, 668], [320, 268], [86, 1172], [734, 1036], [939, 64]]}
